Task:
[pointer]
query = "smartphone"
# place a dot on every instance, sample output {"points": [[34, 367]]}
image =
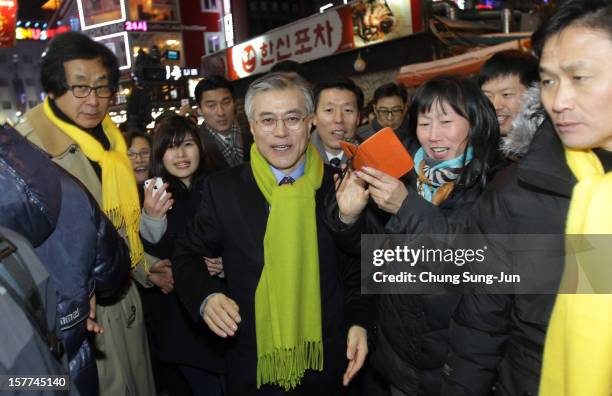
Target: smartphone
{"points": [[158, 184]]}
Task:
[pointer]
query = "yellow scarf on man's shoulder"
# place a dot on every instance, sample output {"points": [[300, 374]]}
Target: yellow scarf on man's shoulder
{"points": [[119, 193], [578, 349], [288, 324]]}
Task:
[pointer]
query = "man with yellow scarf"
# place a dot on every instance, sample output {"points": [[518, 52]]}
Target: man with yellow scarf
{"points": [[576, 47], [291, 306], [80, 76]]}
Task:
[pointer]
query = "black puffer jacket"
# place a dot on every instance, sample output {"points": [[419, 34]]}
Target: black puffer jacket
{"points": [[411, 340], [412, 337], [83, 253], [531, 197]]}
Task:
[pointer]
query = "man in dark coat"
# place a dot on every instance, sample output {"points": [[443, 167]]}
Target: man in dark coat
{"points": [[338, 104], [84, 254], [504, 78], [390, 105], [28, 298], [232, 221], [225, 142], [499, 339]]}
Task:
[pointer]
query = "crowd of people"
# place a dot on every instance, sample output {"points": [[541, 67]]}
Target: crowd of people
{"points": [[224, 258]]}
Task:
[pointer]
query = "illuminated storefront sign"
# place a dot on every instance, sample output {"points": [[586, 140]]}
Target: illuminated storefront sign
{"points": [[175, 72], [305, 40], [140, 26], [228, 28], [8, 20], [23, 33], [228, 23], [336, 30]]}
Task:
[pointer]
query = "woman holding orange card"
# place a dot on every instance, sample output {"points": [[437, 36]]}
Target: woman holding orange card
{"points": [[458, 133]]}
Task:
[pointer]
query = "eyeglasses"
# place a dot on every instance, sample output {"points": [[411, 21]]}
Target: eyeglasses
{"points": [[83, 91], [268, 124], [145, 154], [385, 113]]}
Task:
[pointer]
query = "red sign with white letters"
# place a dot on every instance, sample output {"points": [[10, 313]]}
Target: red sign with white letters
{"points": [[362, 23], [302, 41]]}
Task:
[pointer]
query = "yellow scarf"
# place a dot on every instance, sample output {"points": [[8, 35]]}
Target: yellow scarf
{"points": [[578, 350], [119, 194], [288, 326]]}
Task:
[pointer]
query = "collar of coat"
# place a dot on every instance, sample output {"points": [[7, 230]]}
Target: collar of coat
{"points": [[544, 166], [53, 141]]}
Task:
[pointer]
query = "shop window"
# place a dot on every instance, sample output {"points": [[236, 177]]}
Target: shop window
{"points": [[211, 5], [155, 10]]}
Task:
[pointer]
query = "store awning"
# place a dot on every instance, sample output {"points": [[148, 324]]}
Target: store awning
{"points": [[468, 63]]}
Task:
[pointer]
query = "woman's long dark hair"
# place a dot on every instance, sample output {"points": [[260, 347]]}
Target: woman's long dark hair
{"points": [[172, 131], [467, 100]]}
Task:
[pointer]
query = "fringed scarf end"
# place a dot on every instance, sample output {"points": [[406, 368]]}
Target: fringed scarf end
{"points": [[286, 367]]}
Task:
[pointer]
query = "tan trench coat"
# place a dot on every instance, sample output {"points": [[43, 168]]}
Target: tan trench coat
{"points": [[124, 366]]}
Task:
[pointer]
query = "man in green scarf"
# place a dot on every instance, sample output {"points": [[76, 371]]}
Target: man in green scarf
{"points": [[291, 306]]}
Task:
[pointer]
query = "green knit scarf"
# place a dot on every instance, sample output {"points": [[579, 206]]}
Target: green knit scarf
{"points": [[288, 296]]}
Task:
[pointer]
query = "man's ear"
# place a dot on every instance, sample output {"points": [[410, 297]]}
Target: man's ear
{"points": [[50, 94], [251, 128], [310, 124]]}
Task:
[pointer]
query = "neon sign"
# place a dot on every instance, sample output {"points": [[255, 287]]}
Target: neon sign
{"points": [[140, 26], [176, 72], [28, 33]]}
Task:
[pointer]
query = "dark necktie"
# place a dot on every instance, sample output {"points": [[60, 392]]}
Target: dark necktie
{"points": [[286, 180], [335, 162]]}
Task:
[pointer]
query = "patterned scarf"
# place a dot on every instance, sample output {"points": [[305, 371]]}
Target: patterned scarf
{"points": [[437, 180], [231, 148]]}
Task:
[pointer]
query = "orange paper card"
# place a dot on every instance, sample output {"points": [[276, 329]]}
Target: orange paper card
{"points": [[382, 151]]}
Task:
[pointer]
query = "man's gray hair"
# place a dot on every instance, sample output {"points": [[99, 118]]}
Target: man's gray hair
{"points": [[278, 82]]}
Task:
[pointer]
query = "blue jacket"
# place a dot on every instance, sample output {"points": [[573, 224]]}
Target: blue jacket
{"points": [[78, 245]]}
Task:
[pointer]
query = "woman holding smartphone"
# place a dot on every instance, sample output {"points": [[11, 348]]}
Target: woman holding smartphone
{"points": [[178, 158]]}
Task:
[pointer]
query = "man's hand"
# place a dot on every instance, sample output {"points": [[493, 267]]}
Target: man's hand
{"points": [[351, 195], [387, 192], [214, 265], [160, 274], [91, 323], [221, 315], [356, 352], [157, 205]]}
